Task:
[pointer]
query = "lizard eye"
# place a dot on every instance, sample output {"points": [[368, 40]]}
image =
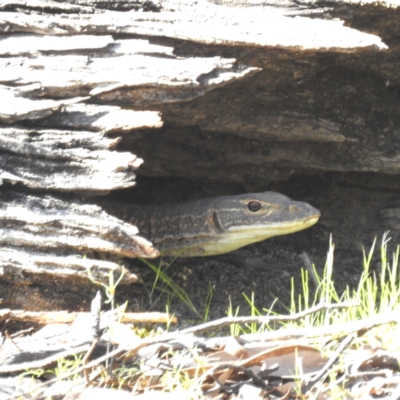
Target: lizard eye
{"points": [[254, 206]]}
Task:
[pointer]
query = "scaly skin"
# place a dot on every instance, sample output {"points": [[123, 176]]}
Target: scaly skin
{"points": [[221, 224]]}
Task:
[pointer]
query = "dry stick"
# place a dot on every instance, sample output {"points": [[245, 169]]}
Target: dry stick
{"points": [[325, 370], [21, 333], [86, 358], [329, 330], [8, 336], [65, 317], [6, 369], [95, 311], [219, 323]]}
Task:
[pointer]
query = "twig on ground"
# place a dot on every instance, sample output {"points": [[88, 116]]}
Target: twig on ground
{"points": [[220, 323], [86, 358], [95, 311], [325, 370], [22, 332], [342, 329], [8, 336], [6, 369], [65, 317]]}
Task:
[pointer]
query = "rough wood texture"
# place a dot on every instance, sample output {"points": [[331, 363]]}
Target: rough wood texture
{"points": [[55, 240], [16, 265], [50, 222], [56, 111], [130, 72], [49, 242], [304, 113], [66, 112], [297, 97], [64, 160], [207, 23], [65, 317]]}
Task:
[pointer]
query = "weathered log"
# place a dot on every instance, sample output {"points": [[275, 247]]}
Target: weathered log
{"points": [[124, 71], [32, 45], [50, 243], [65, 160], [24, 265], [205, 23], [19, 45], [17, 108], [79, 6], [43, 79], [50, 222], [326, 100], [105, 119]]}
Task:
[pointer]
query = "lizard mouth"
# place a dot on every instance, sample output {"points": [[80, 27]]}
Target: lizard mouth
{"points": [[313, 218]]}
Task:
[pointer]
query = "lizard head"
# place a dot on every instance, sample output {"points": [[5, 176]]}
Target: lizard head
{"points": [[250, 218]]}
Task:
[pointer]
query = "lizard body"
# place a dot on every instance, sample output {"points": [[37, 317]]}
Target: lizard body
{"points": [[221, 224]]}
